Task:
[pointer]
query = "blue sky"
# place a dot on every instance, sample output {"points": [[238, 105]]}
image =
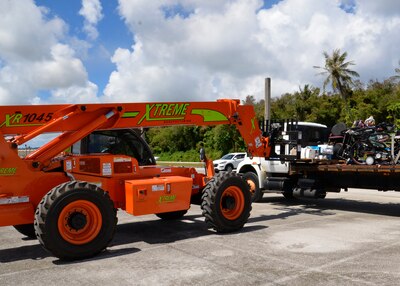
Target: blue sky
{"points": [[113, 33], [175, 50]]}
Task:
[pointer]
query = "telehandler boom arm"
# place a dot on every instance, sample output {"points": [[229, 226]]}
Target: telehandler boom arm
{"points": [[77, 121]]}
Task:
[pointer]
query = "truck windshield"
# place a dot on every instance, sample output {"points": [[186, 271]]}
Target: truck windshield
{"points": [[313, 135]]}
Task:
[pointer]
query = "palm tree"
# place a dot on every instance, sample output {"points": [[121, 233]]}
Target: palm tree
{"points": [[338, 73], [397, 70]]}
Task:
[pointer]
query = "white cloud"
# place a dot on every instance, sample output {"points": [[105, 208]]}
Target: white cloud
{"points": [[50, 74], [180, 58], [35, 58], [91, 11], [385, 8], [214, 49], [76, 94], [194, 49], [24, 34]]}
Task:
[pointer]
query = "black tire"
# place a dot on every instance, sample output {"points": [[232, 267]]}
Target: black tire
{"points": [[172, 215], [226, 202], [252, 180], [26, 229], [229, 168], [75, 220], [338, 151], [288, 195]]}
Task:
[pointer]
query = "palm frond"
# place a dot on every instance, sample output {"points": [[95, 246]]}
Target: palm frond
{"points": [[337, 71]]}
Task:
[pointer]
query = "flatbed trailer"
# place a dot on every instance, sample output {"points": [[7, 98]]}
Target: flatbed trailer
{"points": [[332, 175]]}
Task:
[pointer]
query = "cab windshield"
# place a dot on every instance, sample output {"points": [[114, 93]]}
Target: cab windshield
{"points": [[117, 142]]}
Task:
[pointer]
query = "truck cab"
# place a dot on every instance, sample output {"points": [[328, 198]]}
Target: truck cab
{"points": [[271, 175]]}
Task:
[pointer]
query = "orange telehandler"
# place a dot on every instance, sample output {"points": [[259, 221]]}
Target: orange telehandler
{"points": [[67, 192]]}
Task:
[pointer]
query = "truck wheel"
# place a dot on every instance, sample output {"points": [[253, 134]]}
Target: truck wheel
{"points": [[226, 202], [229, 168], [171, 215], [75, 220], [252, 181], [26, 229]]}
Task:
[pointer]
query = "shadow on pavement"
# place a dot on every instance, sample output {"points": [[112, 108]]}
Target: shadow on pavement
{"points": [[155, 231], [160, 231], [323, 206], [286, 212], [33, 252]]}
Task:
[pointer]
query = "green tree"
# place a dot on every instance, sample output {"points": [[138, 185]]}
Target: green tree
{"points": [[396, 77], [327, 110], [394, 113], [397, 70], [250, 100], [174, 138], [258, 106], [338, 74], [223, 139], [305, 102]]}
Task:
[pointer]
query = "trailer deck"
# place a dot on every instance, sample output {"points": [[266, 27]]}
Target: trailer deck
{"points": [[334, 173]]}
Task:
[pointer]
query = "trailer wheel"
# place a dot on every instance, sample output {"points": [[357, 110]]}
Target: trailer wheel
{"points": [[252, 181], [75, 220], [172, 215], [288, 195], [26, 229], [226, 202]]}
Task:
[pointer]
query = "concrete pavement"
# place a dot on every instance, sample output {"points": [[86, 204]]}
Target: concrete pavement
{"points": [[347, 239]]}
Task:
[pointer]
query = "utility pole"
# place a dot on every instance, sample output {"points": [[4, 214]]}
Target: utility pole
{"points": [[267, 103]]}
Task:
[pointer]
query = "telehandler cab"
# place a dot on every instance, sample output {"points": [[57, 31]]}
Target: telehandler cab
{"points": [[67, 192]]}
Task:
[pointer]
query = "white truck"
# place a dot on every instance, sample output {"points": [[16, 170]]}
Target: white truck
{"points": [[308, 167], [272, 175]]}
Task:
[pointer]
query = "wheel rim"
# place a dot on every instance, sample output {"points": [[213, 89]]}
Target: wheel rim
{"points": [[232, 203], [80, 222], [252, 186]]}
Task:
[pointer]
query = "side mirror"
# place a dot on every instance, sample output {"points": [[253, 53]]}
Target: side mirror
{"points": [[202, 155]]}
